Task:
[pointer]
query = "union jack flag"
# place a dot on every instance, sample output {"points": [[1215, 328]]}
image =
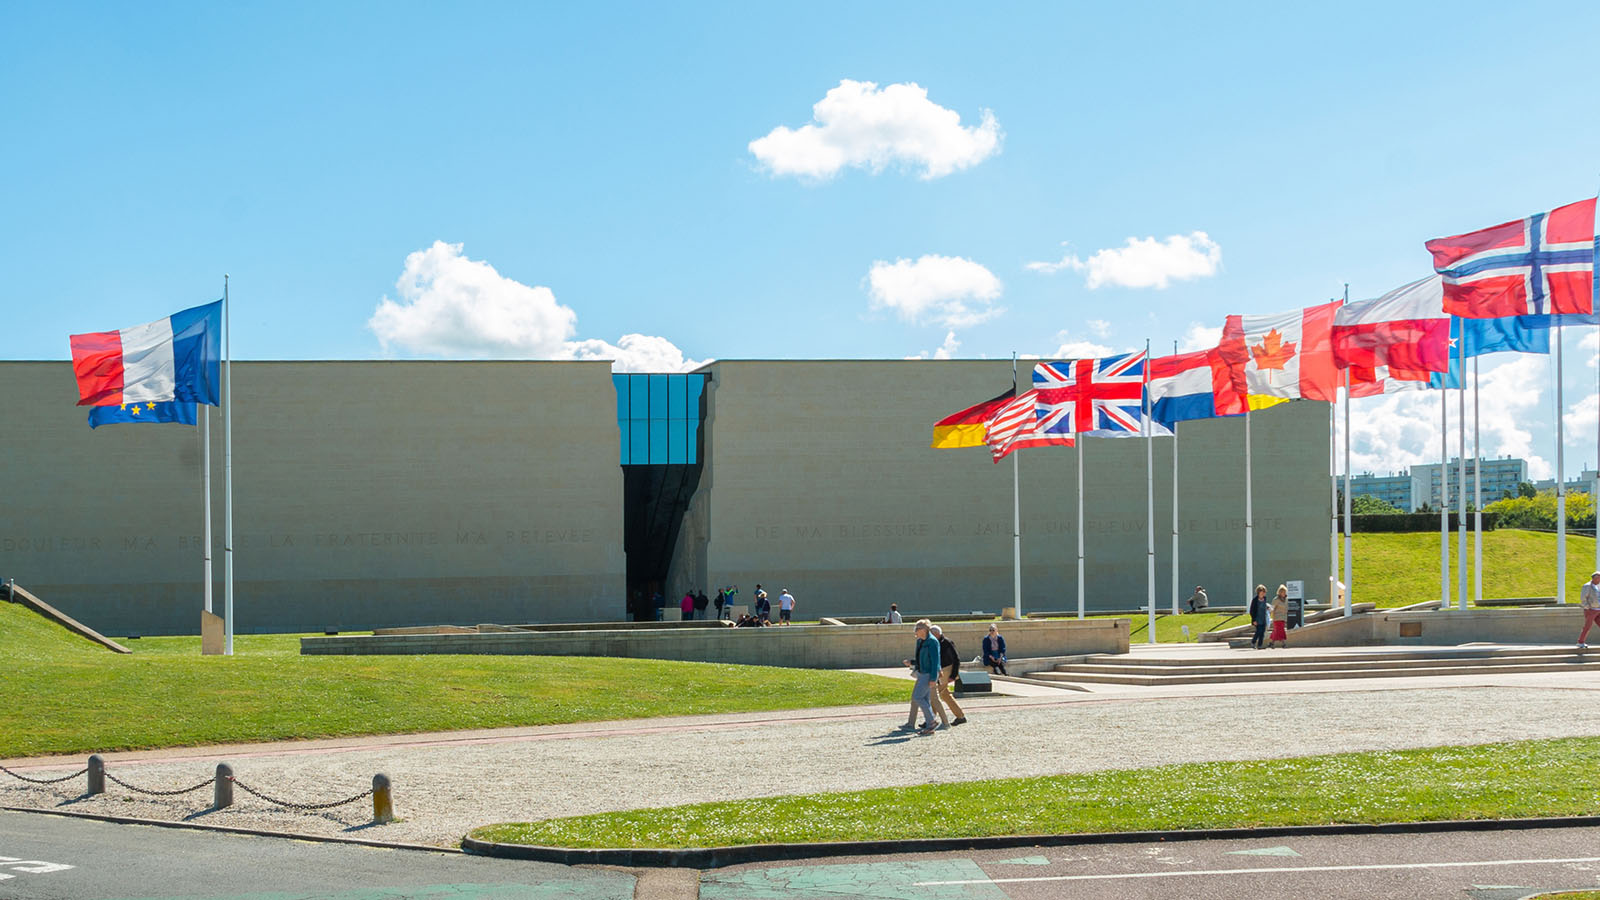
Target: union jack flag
{"points": [[1541, 265], [1100, 397]]}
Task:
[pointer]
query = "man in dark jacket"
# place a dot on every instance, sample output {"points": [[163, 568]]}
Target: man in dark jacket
{"points": [[949, 662], [926, 668]]}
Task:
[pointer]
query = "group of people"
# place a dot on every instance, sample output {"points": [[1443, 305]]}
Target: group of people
{"points": [[694, 603], [936, 665], [1275, 611]]}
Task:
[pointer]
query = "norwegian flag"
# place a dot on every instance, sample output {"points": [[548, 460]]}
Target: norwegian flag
{"points": [[1099, 397], [1541, 265], [1016, 426]]}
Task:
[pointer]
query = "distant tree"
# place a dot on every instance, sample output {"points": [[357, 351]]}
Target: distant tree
{"points": [[1525, 489], [1539, 510], [1372, 506]]}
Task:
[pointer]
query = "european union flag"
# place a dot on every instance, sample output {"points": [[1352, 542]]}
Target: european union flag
{"points": [[181, 412]]}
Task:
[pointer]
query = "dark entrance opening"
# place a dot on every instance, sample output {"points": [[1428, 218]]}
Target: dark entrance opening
{"points": [[659, 419]]}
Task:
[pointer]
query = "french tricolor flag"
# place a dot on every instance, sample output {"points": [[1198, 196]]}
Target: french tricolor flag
{"points": [[176, 358]]}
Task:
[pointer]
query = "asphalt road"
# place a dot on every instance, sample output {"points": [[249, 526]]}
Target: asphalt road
{"points": [[44, 856]]}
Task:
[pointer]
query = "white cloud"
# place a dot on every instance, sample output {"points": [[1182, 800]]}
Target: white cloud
{"points": [[453, 306], [1391, 432], [1144, 262], [1580, 419], [1099, 328], [947, 350], [949, 290], [1590, 345], [1078, 349], [856, 124], [1200, 337]]}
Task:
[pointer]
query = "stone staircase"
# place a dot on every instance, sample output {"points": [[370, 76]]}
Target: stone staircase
{"points": [[1270, 665]]}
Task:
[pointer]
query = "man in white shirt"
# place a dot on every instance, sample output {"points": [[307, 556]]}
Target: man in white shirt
{"points": [[785, 606], [893, 618]]}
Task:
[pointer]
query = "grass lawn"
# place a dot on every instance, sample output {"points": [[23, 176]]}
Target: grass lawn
{"points": [[1401, 569], [61, 694], [1169, 628], [1549, 778]]}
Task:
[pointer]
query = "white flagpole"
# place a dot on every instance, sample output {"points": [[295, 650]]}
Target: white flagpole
{"points": [[1461, 482], [1597, 467], [1016, 513], [1333, 501], [1477, 496], [1444, 498], [1149, 499], [1349, 563], [205, 482], [227, 470], [1249, 510], [1081, 446], [1561, 485], [1175, 507]]}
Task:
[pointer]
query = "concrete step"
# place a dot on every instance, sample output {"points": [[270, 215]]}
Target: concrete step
{"points": [[1397, 653], [1585, 664], [1267, 665]]}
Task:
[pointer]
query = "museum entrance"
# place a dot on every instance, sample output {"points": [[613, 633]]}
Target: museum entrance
{"points": [[659, 424]]}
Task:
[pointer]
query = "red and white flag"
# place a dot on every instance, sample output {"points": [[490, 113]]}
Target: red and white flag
{"points": [[1405, 329], [1016, 425], [1288, 356]]}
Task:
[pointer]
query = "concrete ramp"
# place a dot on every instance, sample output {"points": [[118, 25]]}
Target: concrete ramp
{"points": [[21, 596]]}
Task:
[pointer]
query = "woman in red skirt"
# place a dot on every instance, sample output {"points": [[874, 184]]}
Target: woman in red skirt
{"points": [[1280, 618]]}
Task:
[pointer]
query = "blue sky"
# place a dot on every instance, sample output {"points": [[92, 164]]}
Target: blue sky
{"points": [[598, 158]]}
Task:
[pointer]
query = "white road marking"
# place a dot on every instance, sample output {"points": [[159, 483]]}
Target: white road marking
{"points": [[1274, 870]]}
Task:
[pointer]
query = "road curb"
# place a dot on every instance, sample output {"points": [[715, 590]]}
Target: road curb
{"points": [[230, 829], [718, 857]]}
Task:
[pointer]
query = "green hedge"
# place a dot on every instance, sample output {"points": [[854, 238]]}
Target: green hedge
{"points": [[1412, 522]]}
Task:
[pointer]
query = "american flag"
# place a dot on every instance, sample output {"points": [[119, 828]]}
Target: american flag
{"points": [[1103, 397], [1016, 425]]}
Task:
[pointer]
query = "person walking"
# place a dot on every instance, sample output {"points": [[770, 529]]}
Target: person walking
{"points": [[1280, 618], [1198, 600], [926, 668], [1258, 617], [994, 651], [949, 665], [1589, 600], [893, 618], [785, 606]]}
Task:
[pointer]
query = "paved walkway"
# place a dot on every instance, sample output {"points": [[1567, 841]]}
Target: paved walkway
{"points": [[447, 783]]}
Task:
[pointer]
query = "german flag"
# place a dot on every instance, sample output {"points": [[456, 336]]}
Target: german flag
{"points": [[966, 428]]}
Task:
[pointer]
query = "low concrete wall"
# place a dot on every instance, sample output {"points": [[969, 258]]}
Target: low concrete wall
{"points": [[1558, 625], [796, 646]]}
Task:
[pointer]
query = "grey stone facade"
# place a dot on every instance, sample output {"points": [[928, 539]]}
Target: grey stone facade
{"points": [[400, 493]]}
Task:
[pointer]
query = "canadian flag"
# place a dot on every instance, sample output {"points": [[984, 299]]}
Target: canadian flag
{"points": [[1281, 357]]}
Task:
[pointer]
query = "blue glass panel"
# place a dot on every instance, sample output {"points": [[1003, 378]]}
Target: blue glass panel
{"points": [[621, 383], [658, 396], [692, 442], [697, 386], [639, 443], [639, 396], [658, 441], [622, 439], [678, 437], [676, 386]]}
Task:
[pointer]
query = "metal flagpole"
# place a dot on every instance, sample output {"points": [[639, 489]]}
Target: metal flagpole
{"points": [[1477, 496], [1174, 507], [1561, 485], [227, 470], [1461, 482], [1597, 468], [1249, 510], [1349, 564], [205, 482], [1081, 447], [1349, 569], [1149, 499], [1016, 513], [1444, 499], [1333, 501]]}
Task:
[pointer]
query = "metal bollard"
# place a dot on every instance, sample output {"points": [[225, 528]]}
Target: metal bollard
{"points": [[222, 788], [382, 799], [97, 775]]}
